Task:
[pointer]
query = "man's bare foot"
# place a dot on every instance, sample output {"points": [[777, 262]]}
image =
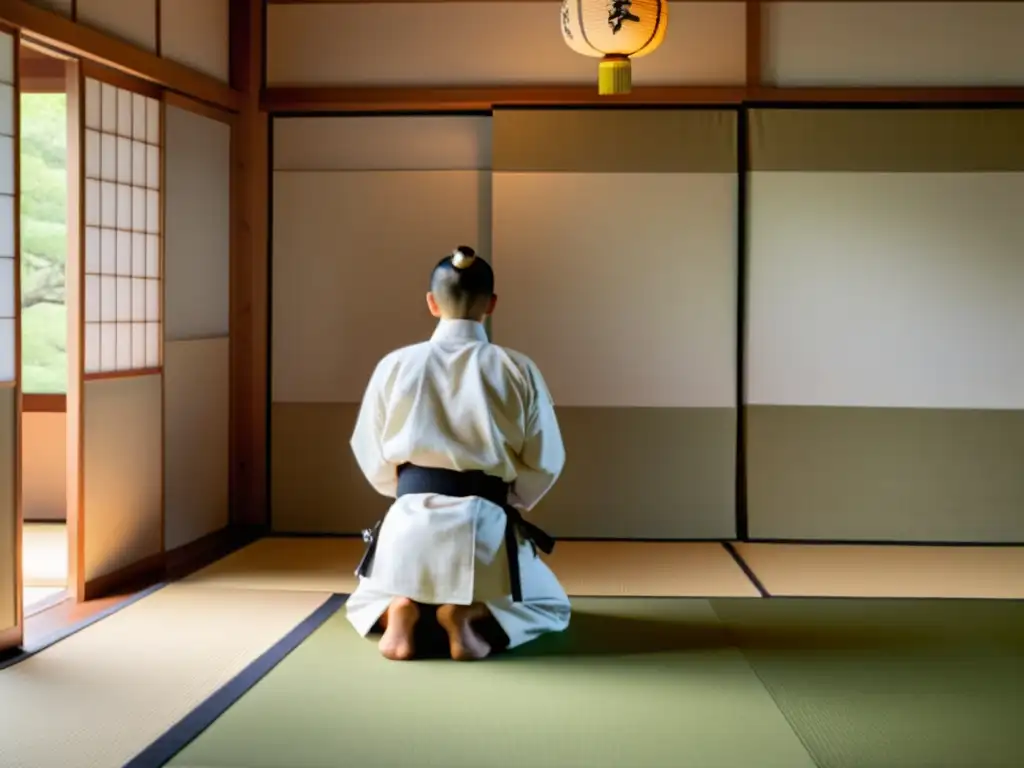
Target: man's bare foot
{"points": [[464, 642], [396, 643]]}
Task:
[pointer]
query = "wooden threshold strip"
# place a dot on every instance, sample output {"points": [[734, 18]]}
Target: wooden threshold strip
{"points": [[49, 28], [36, 403], [333, 99], [134, 373]]}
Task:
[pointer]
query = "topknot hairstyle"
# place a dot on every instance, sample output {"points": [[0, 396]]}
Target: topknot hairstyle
{"points": [[462, 283]]}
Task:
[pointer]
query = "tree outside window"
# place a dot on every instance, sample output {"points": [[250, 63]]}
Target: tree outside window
{"points": [[44, 240]]}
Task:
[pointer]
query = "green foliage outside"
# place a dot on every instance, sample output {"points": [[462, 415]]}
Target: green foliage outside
{"points": [[44, 234]]}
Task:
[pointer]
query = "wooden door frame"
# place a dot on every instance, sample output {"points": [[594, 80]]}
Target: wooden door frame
{"points": [[75, 303], [11, 638]]}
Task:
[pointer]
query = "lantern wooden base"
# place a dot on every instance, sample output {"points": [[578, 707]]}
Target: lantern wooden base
{"points": [[614, 76]]}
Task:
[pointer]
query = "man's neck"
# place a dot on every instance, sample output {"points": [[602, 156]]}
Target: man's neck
{"points": [[452, 319]]}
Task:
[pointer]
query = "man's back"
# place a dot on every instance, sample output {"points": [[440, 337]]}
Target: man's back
{"points": [[458, 402]]}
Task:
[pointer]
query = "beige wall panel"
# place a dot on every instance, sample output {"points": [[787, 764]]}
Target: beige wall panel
{"points": [[621, 287], [44, 466], [320, 489], [886, 290], [887, 140], [196, 454], [195, 33], [484, 43], [131, 20], [649, 141], [407, 143], [898, 43], [123, 467], [885, 474], [62, 7], [197, 250], [8, 507], [658, 473], [352, 256], [645, 473]]}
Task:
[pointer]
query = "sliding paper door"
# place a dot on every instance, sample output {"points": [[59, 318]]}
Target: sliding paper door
{"points": [[11, 608]]}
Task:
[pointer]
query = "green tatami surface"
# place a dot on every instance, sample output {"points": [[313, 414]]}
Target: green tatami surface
{"points": [[892, 683], [652, 683]]}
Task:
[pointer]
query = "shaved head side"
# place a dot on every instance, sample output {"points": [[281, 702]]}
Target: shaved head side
{"points": [[462, 284]]}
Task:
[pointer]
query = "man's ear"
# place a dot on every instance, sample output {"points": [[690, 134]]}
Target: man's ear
{"points": [[432, 305], [490, 305]]}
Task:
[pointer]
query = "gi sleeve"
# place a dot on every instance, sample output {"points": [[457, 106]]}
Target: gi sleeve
{"points": [[543, 455], [367, 438]]}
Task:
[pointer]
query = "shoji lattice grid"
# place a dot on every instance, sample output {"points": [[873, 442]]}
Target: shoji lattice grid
{"points": [[8, 282], [122, 230]]}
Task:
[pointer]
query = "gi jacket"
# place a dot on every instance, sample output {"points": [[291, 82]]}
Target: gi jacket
{"points": [[456, 402]]}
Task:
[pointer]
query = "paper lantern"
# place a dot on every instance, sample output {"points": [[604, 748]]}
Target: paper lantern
{"points": [[614, 31]]}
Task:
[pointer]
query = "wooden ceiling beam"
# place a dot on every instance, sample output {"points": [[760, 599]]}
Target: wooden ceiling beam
{"points": [[314, 100], [53, 30], [331, 99]]}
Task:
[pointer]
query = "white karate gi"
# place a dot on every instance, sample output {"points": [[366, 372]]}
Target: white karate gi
{"points": [[458, 402]]}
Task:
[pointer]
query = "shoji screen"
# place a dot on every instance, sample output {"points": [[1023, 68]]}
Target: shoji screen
{"points": [[886, 308], [10, 359], [615, 251], [196, 344], [363, 207], [116, 386]]}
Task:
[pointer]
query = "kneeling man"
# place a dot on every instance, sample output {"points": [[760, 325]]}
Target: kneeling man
{"points": [[462, 434]]}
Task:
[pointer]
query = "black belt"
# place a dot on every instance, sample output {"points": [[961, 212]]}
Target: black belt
{"points": [[447, 482]]}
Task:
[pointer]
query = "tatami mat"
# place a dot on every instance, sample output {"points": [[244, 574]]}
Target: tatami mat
{"points": [[877, 683], [614, 569], [833, 570], [314, 564], [633, 683], [649, 569], [102, 695]]}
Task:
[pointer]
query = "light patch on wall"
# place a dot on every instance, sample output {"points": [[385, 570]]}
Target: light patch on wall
{"points": [[887, 290], [44, 472], [122, 448], [622, 287]]}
